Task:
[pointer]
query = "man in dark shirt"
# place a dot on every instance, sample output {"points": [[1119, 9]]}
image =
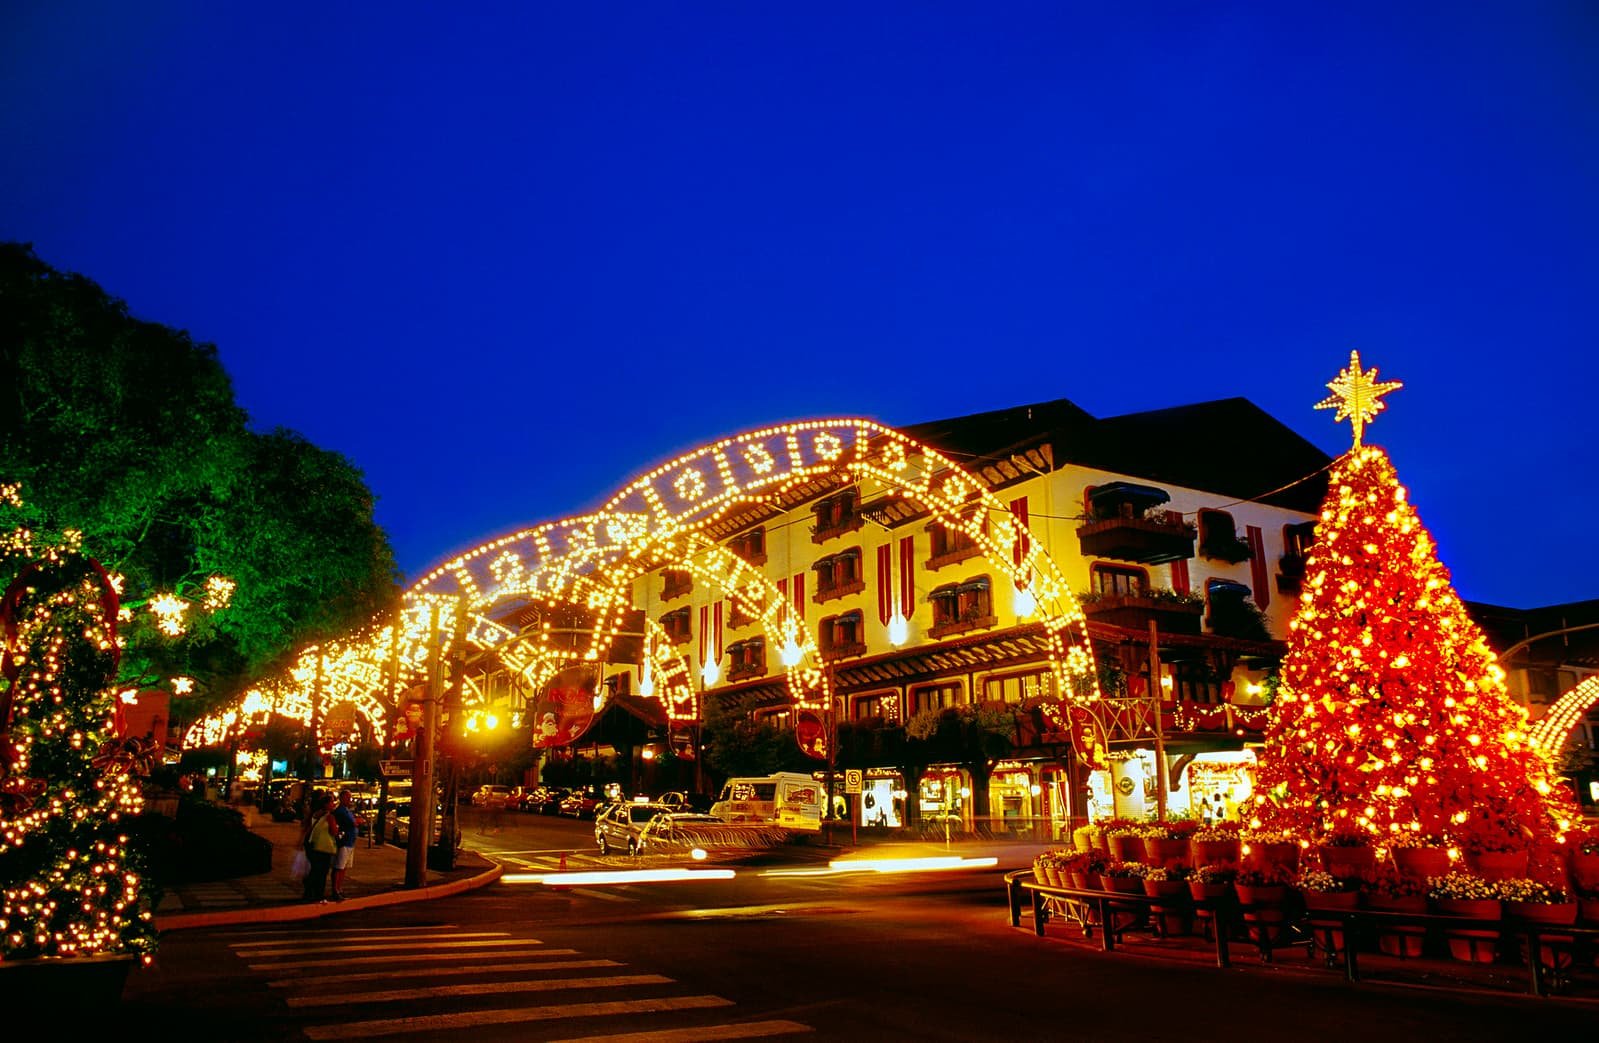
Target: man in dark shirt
{"points": [[344, 815]]}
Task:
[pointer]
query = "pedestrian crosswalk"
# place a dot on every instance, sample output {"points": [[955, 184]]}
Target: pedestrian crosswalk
{"points": [[441, 980]]}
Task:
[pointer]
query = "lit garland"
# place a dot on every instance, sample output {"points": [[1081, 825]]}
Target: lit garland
{"points": [[1557, 723], [67, 886], [657, 522], [1393, 718]]}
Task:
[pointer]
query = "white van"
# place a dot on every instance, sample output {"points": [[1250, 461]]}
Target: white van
{"points": [[786, 798]]}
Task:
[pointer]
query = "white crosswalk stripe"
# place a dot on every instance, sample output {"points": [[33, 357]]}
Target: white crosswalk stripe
{"points": [[314, 976]]}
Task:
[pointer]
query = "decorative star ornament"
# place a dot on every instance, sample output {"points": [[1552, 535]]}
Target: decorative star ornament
{"points": [[1357, 395]]}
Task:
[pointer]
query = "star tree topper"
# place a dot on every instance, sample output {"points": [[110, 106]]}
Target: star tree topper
{"points": [[1357, 395]]}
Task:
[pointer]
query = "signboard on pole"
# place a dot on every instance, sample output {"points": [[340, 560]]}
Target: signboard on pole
{"points": [[395, 769], [564, 709], [852, 780]]}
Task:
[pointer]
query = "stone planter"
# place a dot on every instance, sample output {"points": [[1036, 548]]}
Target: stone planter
{"points": [[1471, 946], [1404, 942], [1210, 852], [1421, 862], [77, 987]]}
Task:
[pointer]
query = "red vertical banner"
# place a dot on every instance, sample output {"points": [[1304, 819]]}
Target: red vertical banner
{"points": [[716, 630], [705, 629], [1024, 539], [1179, 576], [799, 594], [1257, 565], [907, 576], [885, 583]]}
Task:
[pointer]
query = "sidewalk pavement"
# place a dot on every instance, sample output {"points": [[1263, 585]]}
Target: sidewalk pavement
{"points": [[377, 878]]}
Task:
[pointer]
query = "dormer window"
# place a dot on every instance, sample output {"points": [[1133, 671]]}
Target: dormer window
{"points": [[836, 515], [842, 635], [746, 658], [675, 583], [959, 607]]}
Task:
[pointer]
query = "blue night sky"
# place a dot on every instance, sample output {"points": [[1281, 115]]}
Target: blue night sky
{"points": [[505, 261]]}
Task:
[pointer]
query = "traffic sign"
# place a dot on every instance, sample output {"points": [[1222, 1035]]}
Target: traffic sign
{"points": [[852, 780], [395, 769]]}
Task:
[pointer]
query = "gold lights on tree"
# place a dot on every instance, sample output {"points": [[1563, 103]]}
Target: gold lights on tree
{"points": [[1356, 395]]}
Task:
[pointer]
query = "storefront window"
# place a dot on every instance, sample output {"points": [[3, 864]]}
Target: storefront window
{"points": [[943, 797], [1010, 800], [882, 802]]}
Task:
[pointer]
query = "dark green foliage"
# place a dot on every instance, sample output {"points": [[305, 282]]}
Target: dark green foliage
{"points": [[204, 842], [737, 746], [128, 432]]}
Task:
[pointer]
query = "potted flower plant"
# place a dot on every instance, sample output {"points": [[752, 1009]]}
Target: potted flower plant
{"points": [[1170, 883], [1467, 894], [1531, 901], [1218, 842], [1420, 855], [1125, 839], [1047, 868], [1585, 865], [1085, 871], [1322, 891], [1126, 878], [1346, 853], [1089, 838], [1390, 891], [1267, 848], [1166, 843], [1262, 890], [1211, 883]]}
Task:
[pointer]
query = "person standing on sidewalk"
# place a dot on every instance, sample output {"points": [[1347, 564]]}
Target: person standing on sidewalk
{"points": [[321, 844], [344, 858]]}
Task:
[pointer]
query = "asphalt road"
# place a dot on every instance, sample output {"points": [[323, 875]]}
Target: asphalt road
{"points": [[920, 956]]}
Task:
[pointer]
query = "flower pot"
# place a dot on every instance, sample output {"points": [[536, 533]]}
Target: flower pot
{"points": [[1588, 911], [1174, 911], [1554, 950], [1498, 865], [1471, 946], [1349, 863], [1328, 931], [1093, 882], [1045, 874], [1083, 841], [1585, 871], [1421, 862], [1404, 942], [1209, 852], [1126, 916], [1127, 847], [1263, 910], [1160, 851], [1285, 853]]}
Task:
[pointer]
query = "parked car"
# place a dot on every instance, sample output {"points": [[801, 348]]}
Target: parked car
{"points": [[545, 800], [617, 828], [580, 804], [489, 796], [400, 830]]}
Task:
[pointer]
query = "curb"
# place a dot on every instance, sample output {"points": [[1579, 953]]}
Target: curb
{"points": [[302, 911]]}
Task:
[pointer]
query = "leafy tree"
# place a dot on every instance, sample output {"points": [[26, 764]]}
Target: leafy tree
{"points": [[735, 745], [127, 432]]}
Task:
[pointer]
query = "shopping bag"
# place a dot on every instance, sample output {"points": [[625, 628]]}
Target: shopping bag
{"points": [[299, 867]]}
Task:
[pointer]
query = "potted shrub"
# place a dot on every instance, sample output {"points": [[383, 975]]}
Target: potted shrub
{"points": [[1218, 842], [1347, 854], [1166, 843], [1530, 901], [1391, 891], [1170, 883], [1420, 855], [1086, 872], [1467, 894], [1047, 868], [1262, 890], [1322, 891], [1261, 848]]}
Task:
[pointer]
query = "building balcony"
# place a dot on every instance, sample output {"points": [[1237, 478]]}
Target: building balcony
{"points": [[1171, 613], [843, 650], [1147, 541], [961, 625]]}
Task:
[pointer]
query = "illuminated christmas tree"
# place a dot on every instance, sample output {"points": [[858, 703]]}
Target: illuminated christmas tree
{"points": [[66, 783], [1393, 719]]}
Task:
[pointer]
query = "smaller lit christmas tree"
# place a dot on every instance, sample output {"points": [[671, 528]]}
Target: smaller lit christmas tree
{"points": [[1393, 719], [66, 789]]}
